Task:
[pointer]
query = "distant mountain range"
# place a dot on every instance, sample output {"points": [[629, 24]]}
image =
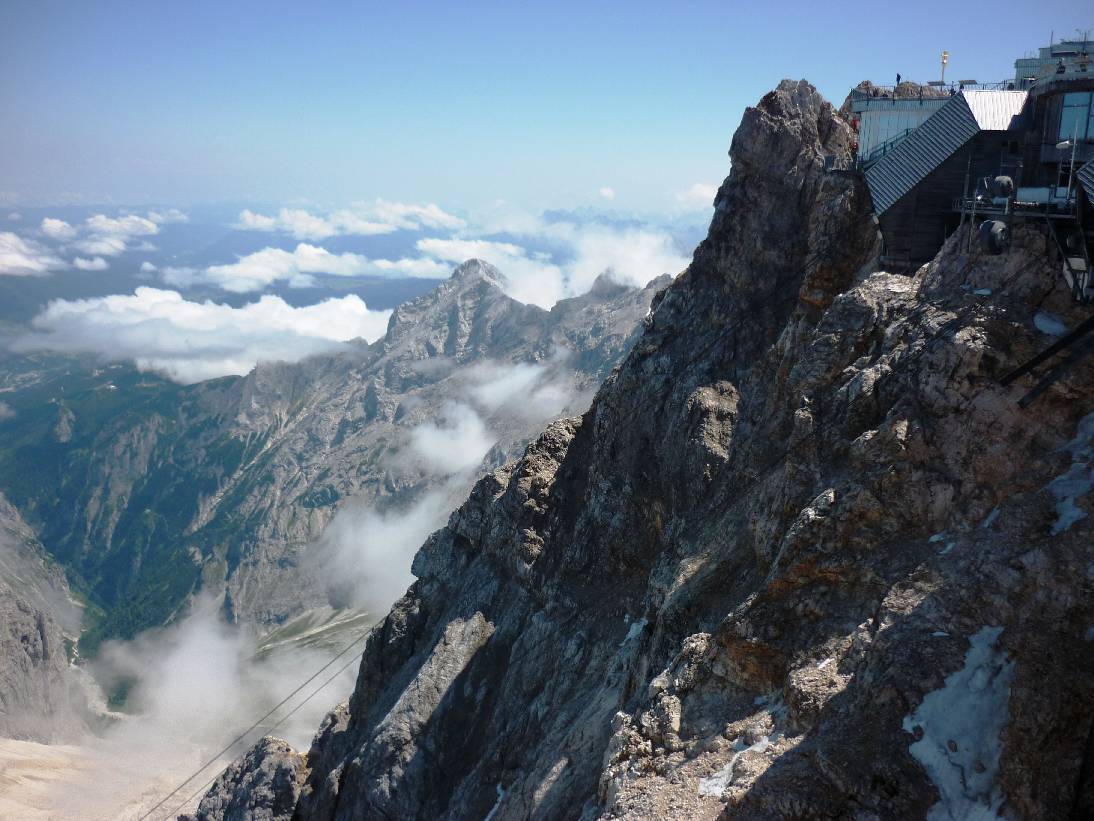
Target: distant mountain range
{"points": [[145, 491]]}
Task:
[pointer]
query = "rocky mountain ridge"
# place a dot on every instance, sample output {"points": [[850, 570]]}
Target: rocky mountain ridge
{"points": [[803, 557]]}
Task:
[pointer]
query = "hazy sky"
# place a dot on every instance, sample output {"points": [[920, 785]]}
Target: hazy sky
{"points": [[457, 103]]}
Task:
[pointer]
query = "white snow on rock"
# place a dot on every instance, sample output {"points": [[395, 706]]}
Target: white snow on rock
{"points": [[635, 631], [1076, 480], [716, 784], [961, 722]]}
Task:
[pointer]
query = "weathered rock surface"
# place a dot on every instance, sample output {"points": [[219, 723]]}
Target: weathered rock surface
{"points": [[262, 786], [41, 698], [803, 558]]}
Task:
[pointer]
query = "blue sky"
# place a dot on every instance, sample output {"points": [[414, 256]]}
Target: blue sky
{"points": [[460, 103]]}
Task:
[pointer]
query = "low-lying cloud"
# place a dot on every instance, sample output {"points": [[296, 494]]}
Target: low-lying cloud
{"points": [[190, 341], [192, 688], [455, 442]]}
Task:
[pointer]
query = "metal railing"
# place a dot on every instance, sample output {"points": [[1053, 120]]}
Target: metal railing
{"points": [[884, 148]]}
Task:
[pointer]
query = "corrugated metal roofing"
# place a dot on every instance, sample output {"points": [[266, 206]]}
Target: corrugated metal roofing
{"points": [[995, 110], [944, 132], [1085, 176]]}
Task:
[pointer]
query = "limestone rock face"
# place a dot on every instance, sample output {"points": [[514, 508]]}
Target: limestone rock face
{"points": [[802, 558], [261, 786]]}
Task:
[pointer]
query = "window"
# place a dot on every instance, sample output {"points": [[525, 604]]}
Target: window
{"points": [[1076, 118]]}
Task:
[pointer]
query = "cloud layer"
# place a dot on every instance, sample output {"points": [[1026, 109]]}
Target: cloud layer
{"points": [[380, 217], [256, 271], [581, 250], [192, 341]]}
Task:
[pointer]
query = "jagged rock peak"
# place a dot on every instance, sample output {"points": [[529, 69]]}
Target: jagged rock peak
{"points": [[474, 270]]}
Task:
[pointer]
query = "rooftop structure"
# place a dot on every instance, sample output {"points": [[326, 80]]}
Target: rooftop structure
{"points": [[935, 157], [1073, 56]]}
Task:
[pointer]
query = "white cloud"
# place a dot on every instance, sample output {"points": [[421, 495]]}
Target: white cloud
{"points": [[168, 216], [631, 256], [364, 555], [192, 341], [95, 264], [607, 193], [25, 258], [104, 236], [57, 229], [303, 225], [6, 411], [15, 215], [254, 272], [364, 219], [698, 196], [531, 391], [456, 443], [148, 267], [410, 217]]}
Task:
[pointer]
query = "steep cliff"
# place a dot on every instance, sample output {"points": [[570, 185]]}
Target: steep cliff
{"points": [[802, 558]]}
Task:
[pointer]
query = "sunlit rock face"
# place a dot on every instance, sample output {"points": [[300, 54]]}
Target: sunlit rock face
{"points": [[802, 558]]}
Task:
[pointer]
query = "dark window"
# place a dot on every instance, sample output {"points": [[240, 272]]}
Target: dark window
{"points": [[1075, 117]]}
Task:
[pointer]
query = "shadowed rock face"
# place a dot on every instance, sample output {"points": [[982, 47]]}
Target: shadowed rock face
{"points": [[802, 558]]}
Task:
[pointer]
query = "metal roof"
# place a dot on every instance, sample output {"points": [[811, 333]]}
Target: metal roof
{"points": [[995, 110], [944, 132], [1085, 176]]}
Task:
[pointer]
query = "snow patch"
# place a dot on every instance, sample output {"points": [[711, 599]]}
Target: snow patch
{"points": [[960, 724], [1049, 324], [716, 784], [822, 664], [1077, 480], [982, 292], [940, 634], [944, 551], [937, 537], [635, 631], [989, 520]]}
